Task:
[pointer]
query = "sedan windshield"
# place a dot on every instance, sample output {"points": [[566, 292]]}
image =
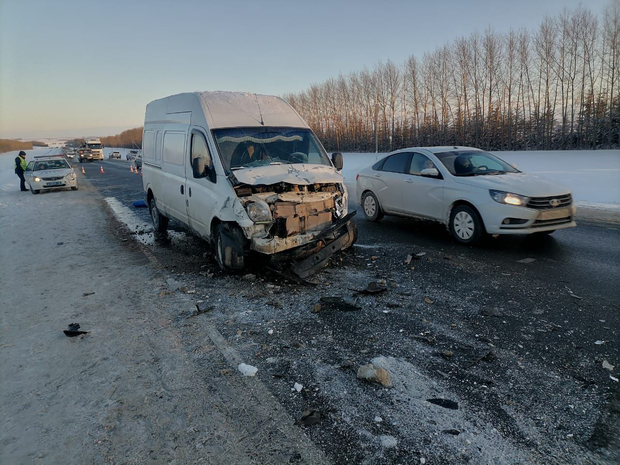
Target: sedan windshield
{"points": [[50, 165], [474, 163], [250, 147]]}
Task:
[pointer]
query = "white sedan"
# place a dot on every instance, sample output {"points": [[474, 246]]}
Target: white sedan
{"points": [[50, 172], [471, 191]]}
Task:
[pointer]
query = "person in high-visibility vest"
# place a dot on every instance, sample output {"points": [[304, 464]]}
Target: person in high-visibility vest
{"points": [[20, 167]]}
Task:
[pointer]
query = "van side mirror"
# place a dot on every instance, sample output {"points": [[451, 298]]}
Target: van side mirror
{"points": [[430, 173], [199, 168], [337, 160]]}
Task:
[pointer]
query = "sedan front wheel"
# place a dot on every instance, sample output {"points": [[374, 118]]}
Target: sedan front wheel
{"points": [[465, 224]]}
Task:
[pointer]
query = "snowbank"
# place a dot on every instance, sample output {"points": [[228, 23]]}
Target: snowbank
{"points": [[592, 175]]}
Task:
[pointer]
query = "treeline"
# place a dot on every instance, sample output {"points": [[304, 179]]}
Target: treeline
{"points": [[131, 139], [554, 88], [8, 145]]}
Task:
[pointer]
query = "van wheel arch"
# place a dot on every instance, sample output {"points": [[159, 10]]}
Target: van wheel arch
{"points": [[229, 245]]}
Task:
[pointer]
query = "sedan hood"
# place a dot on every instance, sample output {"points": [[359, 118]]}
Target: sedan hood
{"points": [[516, 183], [302, 174]]}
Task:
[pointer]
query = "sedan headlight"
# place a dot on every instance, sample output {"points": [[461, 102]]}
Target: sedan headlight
{"points": [[509, 198], [258, 212], [37, 179]]}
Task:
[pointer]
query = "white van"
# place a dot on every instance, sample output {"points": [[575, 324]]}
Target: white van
{"points": [[245, 172]]}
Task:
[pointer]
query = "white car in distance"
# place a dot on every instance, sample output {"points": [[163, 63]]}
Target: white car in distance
{"points": [[50, 172], [471, 191]]}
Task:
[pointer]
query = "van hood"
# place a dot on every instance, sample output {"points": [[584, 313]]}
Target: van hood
{"points": [[528, 185], [302, 174]]}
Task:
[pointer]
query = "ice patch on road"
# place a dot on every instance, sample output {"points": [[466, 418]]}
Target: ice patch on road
{"points": [[142, 231]]}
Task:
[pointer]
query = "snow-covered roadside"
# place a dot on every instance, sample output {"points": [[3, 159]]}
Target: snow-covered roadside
{"points": [[592, 175]]}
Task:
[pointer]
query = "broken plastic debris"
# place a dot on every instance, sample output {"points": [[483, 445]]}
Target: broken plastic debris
{"points": [[86, 294], [527, 260], [270, 332], [428, 300], [74, 330], [247, 370], [340, 304], [298, 387], [309, 417], [445, 403], [608, 366], [389, 442], [378, 419], [599, 343], [373, 287], [613, 378]]}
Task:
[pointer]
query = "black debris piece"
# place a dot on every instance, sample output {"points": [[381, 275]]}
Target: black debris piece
{"points": [[340, 304], [454, 432], [445, 403], [74, 330], [86, 294], [309, 417], [373, 288]]}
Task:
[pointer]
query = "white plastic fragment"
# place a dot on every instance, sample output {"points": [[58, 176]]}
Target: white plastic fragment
{"points": [[607, 365], [247, 370], [613, 378], [298, 387], [270, 332], [388, 442], [378, 419], [599, 343]]}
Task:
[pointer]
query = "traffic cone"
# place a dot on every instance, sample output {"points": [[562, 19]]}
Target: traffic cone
{"points": [[101, 170], [136, 170], [83, 172], [131, 168]]}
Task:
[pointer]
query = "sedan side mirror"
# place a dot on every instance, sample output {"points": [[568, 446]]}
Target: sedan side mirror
{"points": [[337, 160], [430, 173]]}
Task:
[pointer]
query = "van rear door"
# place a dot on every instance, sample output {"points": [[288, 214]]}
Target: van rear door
{"points": [[202, 198]]}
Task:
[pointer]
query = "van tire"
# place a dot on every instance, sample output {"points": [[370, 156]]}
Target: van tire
{"points": [[230, 259], [160, 222]]}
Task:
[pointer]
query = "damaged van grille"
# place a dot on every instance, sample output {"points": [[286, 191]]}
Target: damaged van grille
{"points": [[297, 209]]}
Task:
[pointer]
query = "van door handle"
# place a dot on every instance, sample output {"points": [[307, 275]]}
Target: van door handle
{"points": [[377, 175], [190, 191], [410, 181], [182, 189]]}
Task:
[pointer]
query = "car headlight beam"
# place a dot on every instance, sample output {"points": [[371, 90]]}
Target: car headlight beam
{"points": [[258, 212], [509, 198], [37, 179]]}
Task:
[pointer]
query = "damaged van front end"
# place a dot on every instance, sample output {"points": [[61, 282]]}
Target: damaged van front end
{"points": [[297, 212]]}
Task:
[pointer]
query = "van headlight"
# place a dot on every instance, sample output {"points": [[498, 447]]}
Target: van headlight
{"points": [[258, 212], [509, 198]]}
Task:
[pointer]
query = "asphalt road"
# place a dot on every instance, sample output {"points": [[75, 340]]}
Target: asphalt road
{"points": [[517, 329], [586, 259]]}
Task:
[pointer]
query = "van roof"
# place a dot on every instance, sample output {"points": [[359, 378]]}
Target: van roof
{"points": [[234, 109]]}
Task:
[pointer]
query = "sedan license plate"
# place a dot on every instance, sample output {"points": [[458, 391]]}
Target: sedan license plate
{"points": [[57, 183], [554, 214]]}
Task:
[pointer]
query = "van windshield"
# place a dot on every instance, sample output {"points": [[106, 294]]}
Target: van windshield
{"points": [[251, 147], [94, 146]]}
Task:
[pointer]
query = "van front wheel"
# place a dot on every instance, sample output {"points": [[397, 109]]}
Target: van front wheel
{"points": [[229, 248], [160, 222]]}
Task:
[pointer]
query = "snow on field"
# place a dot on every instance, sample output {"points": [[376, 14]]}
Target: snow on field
{"points": [[592, 175]]}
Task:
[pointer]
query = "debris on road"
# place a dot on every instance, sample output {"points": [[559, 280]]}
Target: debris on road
{"points": [[200, 311], [388, 442], [374, 287], [139, 204], [298, 387], [247, 370], [426, 337], [74, 330], [309, 417], [428, 300], [445, 403], [599, 343], [454, 432], [447, 354], [491, 312], [613, 378], [86, 294], [607, 365], [340, 304], [378, 375], [526, 260]]}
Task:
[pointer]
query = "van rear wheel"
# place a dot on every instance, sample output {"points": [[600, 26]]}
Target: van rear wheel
{"points": [[160, 222]]}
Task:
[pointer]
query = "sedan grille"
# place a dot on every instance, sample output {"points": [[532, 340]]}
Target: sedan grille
{"points": [[542, 223], [53, 179], [542, 203]]}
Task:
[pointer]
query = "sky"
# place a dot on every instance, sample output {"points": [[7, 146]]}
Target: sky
{"points": [[72, 68]]}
